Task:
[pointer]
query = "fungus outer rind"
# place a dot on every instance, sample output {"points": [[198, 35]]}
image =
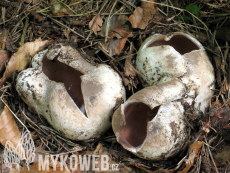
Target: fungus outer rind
{"points": [[159, 64], [166, 133]]}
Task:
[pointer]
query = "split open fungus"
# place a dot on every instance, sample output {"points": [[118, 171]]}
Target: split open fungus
{"points": [[174, 70], [76, 97]]}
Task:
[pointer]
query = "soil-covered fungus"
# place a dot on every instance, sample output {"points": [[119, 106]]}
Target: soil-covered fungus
{"points": [[76, 97], [151, 108], [163, 58]]}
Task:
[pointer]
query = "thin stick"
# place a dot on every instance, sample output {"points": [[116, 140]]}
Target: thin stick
{"points": [[77, 15], [19, 14], [91, 31], [211, 155], [59, 23], [13, 113], [41, 129], [108, 22], [22, 42]]}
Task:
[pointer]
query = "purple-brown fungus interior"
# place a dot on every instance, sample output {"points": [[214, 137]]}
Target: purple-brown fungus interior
{"points": [[180, 43], [137, 115], [60, 72]]}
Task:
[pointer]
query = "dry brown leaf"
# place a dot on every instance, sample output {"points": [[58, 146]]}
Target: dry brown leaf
{"points": [[3, 59], [129, 76], [115, 46], [116, 27], [130, 73], [97, 25], [65, 10], [142, 15], [21, 58], [136, 17], [149, 10], [8, 128], [193, 153], [37, 16], [120, 32], [130, 70], [225, 88], [218, 61], [218, 103], [67, 32]]}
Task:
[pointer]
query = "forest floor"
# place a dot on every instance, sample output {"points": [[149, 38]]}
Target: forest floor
{"points": [[111, 32]]}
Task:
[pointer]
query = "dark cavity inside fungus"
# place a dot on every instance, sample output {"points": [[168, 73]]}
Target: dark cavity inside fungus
{"points": [[134, 131], [180, 43], [60, 72]]}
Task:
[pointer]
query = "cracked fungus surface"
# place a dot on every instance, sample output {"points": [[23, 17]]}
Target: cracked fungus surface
{"points": [[134, 131], [180, 43], [60, 72]]}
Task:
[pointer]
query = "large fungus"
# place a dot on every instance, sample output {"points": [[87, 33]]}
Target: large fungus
{"points": [[173, 69], [76, 97], [143, 124], [163, 58]]}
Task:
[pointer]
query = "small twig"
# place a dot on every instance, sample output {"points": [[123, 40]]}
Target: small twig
{"points": [[199, 163], [67, 6], [59, 23], [40, 128], [124, 57], [209, 145], [19, 14], [78, 15], [45, 143], [101, 47], [211, 155], [3, 14], [216, 6], [13, 113], [128, 6], [109, 18], [24, 32], [108, 21], [219, 142], [19, 22], [91, 31], [227, 167], [182, 10], [216, 15], [215, 20]]}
